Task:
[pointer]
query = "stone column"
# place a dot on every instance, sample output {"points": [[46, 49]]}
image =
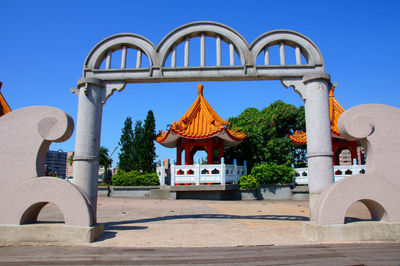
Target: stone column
{"points": [[319, 136], [314, 90], [87, 140]]}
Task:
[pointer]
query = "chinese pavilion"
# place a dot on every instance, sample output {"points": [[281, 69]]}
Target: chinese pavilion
{"points": [[338, 142], [4, 107], [200, 128]]}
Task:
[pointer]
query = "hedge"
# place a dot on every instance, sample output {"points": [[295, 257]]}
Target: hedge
{"points": [[134, 178], [273, 174], [248, 182]]}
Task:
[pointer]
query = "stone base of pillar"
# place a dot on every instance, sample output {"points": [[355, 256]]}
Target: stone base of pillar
{"points": [[358, 231], [312, 200], [50, 233]]}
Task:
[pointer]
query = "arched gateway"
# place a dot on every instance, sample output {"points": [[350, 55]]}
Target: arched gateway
{"points": [[307, 78]]}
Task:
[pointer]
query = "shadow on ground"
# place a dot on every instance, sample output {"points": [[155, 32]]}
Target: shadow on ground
{"points": [[213, 216], [348, 220], [111, 227]]}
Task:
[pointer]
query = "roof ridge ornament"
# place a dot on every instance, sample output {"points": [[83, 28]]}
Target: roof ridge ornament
{"points": [[200, 88]]}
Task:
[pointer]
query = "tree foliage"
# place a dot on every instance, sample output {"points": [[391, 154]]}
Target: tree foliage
{"points": [[70, 159], [268, 133], [137, 146], [127, 152], [248, 182], [148, 141], [106, 162], [135, 178], [272, 173]]}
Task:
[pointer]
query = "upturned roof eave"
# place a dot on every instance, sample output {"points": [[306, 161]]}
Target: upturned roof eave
{"points": [[168, 139]]}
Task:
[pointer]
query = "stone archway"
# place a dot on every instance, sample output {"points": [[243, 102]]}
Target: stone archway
{"points": [[307, 78]]}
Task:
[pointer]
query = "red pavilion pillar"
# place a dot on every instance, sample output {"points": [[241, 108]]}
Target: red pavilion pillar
{"points": [[210, 149], [334, 149], [178, 152], [220, 149], [187, 153]]}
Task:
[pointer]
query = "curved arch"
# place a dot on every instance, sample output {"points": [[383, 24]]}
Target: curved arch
{"points": [[29, 198], [209, 28], [291, 38], [377, 211], [247, 70], [31, 214], [116, 42], [334, 202]]}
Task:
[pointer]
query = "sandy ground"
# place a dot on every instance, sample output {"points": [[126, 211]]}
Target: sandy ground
{"points": [[195, 223]]}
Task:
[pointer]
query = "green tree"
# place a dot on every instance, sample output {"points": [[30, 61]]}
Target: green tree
{"points": [[268, 133], [105, 161], [126, 155], [138, 147], [149, 149]]}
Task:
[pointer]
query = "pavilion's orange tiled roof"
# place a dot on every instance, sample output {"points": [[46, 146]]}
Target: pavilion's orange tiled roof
{"points": [[335, 110], [200, 122], [4, 107]]}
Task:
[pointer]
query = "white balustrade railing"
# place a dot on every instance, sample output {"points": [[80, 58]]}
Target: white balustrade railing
{"points": [[199, 174], [340, 171]]}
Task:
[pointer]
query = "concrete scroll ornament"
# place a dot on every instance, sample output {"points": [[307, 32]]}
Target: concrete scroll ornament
{"points": [[26, 135], [377, 126]]}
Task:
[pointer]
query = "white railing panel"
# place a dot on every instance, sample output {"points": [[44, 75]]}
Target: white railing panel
{"points": [[161, 174], [201, 174], [340, 172]]}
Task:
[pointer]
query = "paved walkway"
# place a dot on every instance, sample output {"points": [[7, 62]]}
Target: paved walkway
{"points": [[144, 231], [341, 254], [195, 223]]}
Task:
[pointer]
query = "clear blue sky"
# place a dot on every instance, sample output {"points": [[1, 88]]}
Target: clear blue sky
{"points": [[43, 46]]}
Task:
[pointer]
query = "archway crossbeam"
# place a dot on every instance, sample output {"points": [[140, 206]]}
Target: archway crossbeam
{"points": [[246, 68]]}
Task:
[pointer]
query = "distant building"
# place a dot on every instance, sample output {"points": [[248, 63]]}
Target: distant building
{"points": [[55, 162], [345, 157]]}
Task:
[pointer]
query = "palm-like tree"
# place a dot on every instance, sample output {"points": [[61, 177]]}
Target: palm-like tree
{"points": [[71, 159], [105, 161]]}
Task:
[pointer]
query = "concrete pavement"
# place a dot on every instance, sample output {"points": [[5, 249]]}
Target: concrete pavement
{"points": [[195, 223], [161, 232]]}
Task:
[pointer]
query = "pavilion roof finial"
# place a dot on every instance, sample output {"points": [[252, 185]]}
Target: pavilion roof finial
{"points": [[200, 88]]}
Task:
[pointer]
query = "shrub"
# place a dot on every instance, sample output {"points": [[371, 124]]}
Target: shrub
{"points": [[273, 174], [134, 178], [248, 182]]}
